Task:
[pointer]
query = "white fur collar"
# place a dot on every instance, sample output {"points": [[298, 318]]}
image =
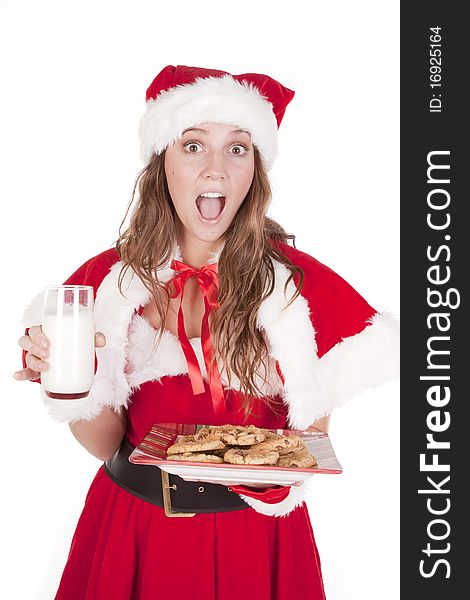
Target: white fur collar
{"points": [[312, 387]]}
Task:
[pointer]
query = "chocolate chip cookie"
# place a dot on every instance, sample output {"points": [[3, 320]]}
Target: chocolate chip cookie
{"points": [[197, 457], [279, 443], [240, 456], [299, 460], [194, 446], [242, 436]]}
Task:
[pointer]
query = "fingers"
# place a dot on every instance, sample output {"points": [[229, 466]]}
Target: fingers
{"points": [[26, 374], [35, 342], [36, 363], [38, 336], [100, 339], [36, 346]]}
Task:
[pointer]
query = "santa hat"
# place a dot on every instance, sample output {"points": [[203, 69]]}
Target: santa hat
{"points": [[181, 97]]}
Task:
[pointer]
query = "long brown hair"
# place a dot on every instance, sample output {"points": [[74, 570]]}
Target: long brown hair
{"points": [[246, 272]]}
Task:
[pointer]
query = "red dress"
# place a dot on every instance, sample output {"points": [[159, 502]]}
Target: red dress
{"points": [[329, 344], [127, 549]]}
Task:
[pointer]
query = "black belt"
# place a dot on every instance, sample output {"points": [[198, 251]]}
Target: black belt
{"points": [[178, 497]]}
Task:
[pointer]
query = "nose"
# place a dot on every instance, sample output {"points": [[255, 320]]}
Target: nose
{"points": [[214, 166]]}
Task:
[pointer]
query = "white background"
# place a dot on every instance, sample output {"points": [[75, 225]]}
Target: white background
{"points": [[74, 83]]}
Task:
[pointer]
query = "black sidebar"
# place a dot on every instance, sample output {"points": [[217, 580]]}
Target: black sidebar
{"points": [[435, 267]]}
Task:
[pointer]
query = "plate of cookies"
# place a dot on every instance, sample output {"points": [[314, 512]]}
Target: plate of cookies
{"points": [[229, 454]]}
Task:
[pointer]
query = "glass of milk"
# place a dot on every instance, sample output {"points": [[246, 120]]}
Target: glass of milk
{"points": [[68, 322]]}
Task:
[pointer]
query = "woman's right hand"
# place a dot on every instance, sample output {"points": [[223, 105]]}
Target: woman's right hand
{"points": [[36, 345]]}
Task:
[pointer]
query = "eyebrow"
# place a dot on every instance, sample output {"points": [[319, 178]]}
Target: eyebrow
{"points": [[235, 131]]}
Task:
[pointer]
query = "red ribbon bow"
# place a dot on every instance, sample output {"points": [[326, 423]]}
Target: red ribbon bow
{"points": [[208, 281]]}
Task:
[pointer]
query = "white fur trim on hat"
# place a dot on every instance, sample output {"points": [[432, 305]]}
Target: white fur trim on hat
{"points": [[210, 99]]}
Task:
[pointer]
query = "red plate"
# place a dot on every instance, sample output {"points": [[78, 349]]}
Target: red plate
{"points": [[153, 451]]}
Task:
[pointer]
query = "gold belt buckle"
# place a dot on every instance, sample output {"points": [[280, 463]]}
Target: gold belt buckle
{"points": [[166, 487]]}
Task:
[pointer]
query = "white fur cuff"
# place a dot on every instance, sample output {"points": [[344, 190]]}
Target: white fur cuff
{"points": [[296, 497], [365, 360], [82, 409]]}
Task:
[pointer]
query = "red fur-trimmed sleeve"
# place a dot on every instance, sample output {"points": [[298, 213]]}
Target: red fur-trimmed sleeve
{"points": [[337, 310], [89, 273], [105, 391], [331, 344]]}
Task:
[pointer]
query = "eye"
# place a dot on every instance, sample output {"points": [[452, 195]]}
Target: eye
{"points": [[189, 145], [242, 146]]}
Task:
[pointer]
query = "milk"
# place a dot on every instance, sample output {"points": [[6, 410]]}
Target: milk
{"points": [[71, 333]]}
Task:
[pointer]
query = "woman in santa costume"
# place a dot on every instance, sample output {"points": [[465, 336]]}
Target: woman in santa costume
{"points": [[206, 314]]}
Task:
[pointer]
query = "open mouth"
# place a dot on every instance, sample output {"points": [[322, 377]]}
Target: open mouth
{"points": [[210, 209]]}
